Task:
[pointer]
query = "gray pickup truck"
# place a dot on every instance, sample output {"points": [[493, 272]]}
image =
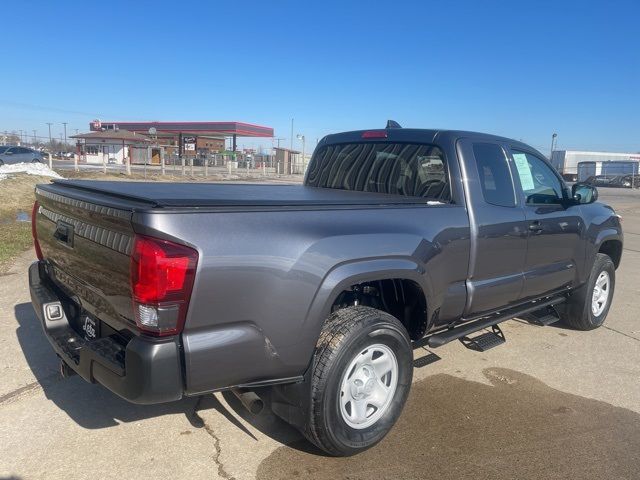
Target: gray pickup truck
{"points": [[311, 298]]}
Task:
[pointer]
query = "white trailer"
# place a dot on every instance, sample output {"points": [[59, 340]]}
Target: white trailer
{"points": [[566, 161]]}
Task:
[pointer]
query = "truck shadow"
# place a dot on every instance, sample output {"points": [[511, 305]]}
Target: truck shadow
{"points": [[514, 427], [238, 416], [90, 406]]}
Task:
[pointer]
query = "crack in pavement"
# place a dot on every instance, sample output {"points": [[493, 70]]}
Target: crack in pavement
{"points": [[199, 422], [622, 333], [7, 397], [26, 389]]}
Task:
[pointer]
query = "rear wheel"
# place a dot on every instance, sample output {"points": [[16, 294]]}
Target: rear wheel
{"points": [[588, 307], [361, 378]]}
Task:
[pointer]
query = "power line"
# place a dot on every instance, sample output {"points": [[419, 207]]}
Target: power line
{"points": [[26, 136], [32, 106]]}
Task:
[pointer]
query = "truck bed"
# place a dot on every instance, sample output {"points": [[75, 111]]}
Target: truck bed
{"points": [[164, 194]]}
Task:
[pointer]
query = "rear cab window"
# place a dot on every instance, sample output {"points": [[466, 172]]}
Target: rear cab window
{"points": [[494, 174], [407, 169]]}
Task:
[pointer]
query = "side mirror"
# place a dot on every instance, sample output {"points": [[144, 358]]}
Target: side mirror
{"points": [[583, 193]]}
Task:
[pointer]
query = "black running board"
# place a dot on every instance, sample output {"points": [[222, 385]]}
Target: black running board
{"points": [[439, 339], [543, 317], [485, 341]]}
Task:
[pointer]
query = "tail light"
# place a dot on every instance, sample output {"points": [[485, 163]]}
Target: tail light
{"points": [[34, 232], [162, 275]]}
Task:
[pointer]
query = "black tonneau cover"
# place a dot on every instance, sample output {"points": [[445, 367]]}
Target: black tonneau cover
{"points": [[161, 194]]}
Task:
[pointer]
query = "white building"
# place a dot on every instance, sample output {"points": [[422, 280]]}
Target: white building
{"points": [[113, 147], [568, 162]]}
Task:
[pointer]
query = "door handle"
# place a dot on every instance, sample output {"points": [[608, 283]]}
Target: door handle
{"points": [[535, 227]]}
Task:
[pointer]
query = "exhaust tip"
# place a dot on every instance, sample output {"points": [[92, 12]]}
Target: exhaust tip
{"points": [[249, 400], [65, 370]]}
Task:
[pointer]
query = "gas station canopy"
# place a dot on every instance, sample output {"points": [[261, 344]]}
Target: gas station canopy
{"points": [[193, 130], [227, 129]]}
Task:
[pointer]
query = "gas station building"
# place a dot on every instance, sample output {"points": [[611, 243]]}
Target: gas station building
{"points": [[187, 138]]}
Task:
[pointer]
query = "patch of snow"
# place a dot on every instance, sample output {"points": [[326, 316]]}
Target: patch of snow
{"points": [[28, 168]]}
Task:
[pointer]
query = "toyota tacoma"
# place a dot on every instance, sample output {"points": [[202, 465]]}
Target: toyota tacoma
{"points": [[311, 298]]}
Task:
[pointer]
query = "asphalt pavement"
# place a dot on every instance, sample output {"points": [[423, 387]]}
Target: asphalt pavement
{"points": [[550, 403]]}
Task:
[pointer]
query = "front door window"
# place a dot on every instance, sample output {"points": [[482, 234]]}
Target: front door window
{"points": [[540, 185]]}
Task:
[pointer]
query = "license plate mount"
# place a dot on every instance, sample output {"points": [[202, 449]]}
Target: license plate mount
{"points": [[90, 327]]}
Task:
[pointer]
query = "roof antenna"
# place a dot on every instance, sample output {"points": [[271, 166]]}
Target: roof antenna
{"points": [[392, 124]]}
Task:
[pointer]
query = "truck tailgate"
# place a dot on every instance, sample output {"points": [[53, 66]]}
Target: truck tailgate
{"points": [[87, 244]]}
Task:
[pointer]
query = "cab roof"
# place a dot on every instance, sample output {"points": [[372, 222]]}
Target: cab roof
{"points": [[419, 135]]}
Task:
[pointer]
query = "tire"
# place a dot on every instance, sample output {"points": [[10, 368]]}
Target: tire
{"points": [[352, 341], [583, 312], [35, 160]]}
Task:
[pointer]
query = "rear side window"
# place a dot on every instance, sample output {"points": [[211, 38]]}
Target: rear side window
{"points": [[412, 170], [494, 173]]}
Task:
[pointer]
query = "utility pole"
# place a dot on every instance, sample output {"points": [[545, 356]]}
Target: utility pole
{"points": [[301, 137], [65, 134], [50, 141], [35, 139], [290, 155], [20, 137], [553, 140], [291, 144]]}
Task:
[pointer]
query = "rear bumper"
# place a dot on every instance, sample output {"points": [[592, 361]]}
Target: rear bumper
{"points": [[144, 371]]}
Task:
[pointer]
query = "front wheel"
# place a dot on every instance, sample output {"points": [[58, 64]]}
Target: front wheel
{"points": [[361, 379], [588, 307]]}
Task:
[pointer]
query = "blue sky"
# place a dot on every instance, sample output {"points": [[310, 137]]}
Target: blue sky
{"points": [[520, 69]]}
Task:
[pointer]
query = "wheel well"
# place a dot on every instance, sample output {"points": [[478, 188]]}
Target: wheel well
{"points": [[613, 248], [402, 298]]}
